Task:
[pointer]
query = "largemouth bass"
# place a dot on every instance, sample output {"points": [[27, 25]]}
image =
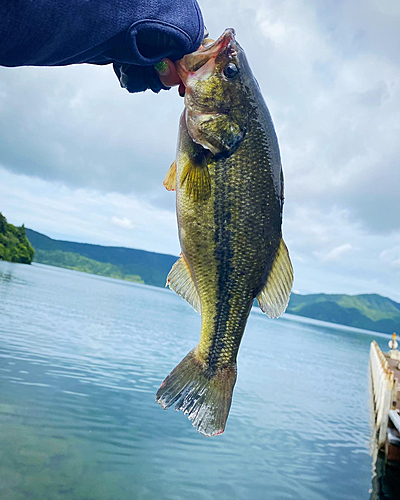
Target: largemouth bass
{"points": [[229, 198]]}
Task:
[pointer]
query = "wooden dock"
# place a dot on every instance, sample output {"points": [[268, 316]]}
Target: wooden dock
{"points": [[385, 378]]}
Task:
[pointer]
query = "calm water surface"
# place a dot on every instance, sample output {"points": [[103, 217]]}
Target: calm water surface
{"points": [[81, 358]]}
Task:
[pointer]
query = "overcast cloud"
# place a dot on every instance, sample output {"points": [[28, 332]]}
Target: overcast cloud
{"points": [[84, 160]]}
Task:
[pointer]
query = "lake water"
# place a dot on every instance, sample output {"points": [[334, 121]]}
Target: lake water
{"points": [[82, 356]]}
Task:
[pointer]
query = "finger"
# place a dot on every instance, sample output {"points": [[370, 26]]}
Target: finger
{"points": [[167, 73]]}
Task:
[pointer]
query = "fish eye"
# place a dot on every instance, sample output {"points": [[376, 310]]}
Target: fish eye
{"points": [[231, 70]]}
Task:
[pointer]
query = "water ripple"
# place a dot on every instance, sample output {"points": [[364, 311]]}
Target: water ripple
{"points": [[81, 358]]}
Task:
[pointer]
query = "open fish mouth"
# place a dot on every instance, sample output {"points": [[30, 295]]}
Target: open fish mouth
{"points": [[192, 63]]}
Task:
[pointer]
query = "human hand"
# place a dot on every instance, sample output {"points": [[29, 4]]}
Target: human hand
{"points": [[168, 75], [162, 75]]}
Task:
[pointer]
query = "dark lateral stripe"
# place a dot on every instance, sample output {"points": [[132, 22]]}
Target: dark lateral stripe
{"points": [[223, 254]]}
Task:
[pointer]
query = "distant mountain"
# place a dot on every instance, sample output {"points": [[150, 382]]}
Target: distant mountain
{"points": [[371, 311], [368, 311], [115, 262]]}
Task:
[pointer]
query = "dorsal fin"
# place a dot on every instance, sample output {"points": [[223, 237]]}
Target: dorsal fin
{"points": [[274, 297], [181, 282], [170, 178]]}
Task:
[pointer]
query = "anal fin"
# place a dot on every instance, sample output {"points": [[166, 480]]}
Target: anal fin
{"points": [[274, 297], [180, 280]]}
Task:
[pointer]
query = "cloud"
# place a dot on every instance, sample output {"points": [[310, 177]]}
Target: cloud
{"points": [[75, 125], [330, 74], [338, 252], [122, 222], [116, 219], [391, 257], [332, 253], [87, 215]]}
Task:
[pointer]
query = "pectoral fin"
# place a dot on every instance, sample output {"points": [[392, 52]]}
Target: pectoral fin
{"points": [[180, 280], [274, 297], [170, 178], [196, 175]]}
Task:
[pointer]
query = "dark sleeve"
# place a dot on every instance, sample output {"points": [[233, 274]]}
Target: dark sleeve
{"points": [[135, 33]]}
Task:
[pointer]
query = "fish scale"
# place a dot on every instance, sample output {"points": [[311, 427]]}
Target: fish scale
{"points": [[229, 188]]}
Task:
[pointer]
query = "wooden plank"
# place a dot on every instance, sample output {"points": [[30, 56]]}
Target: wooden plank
{"points": [[395, 418], [383, 422]]}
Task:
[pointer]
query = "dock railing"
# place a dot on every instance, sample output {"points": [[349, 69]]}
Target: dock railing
{"points": [[384, 387]]}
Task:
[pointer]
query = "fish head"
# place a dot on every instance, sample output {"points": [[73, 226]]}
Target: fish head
{"points": [[216, 80]]}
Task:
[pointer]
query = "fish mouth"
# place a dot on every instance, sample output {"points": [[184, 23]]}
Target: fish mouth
{"points": [[191, 63]]}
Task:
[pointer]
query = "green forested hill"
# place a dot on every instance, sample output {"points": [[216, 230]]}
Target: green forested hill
{"points": [[115, 262], [14, 245], [371, 312]]}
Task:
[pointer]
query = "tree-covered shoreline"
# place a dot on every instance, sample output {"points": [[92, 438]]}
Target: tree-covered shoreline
{"points": [[14, 245], [77, 262], [368, 311]]}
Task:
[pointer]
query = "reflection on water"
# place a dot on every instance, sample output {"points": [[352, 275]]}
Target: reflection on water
{"points": [[82, 356], [385, 480], [6, 277], [385, 474]]}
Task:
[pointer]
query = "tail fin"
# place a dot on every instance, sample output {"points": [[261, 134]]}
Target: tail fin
{"points": [[202, 395]]}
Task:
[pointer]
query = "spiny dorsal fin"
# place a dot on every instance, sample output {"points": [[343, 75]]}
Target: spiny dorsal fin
{"points": [[274, 297], [170, 178], [180, 281]]}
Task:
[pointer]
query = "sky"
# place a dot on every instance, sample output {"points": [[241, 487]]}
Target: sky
{"points": [[82, 159]]}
